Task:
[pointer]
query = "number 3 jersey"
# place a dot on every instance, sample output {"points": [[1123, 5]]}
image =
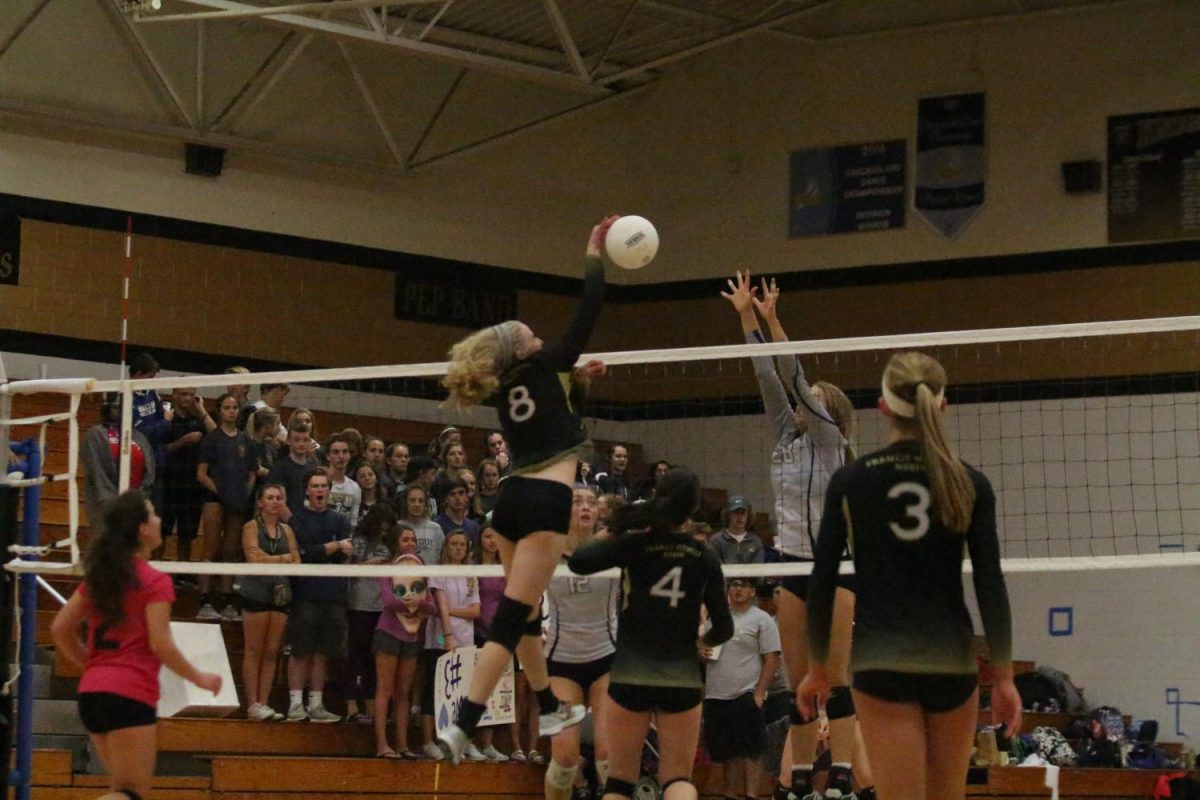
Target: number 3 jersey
{"points": [[119, 656], [910, 614], [665, 579], [535, 400]]}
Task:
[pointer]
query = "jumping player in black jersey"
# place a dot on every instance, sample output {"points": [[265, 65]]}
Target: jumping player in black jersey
{"points": [[656, 672], [529, 384], [906, 512]]}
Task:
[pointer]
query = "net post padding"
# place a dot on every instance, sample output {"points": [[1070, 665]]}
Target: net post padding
{"points": [[124, 468]]}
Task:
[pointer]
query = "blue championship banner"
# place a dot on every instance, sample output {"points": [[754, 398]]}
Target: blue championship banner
{"points": [[847, 189], [951, 161], [1154, 176]]}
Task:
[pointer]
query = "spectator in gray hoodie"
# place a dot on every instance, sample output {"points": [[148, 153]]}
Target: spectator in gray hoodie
{"points": [[101, 454]]}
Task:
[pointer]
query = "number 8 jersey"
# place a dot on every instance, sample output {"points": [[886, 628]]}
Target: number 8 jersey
{"points": [[910, 614], [535, 400]]}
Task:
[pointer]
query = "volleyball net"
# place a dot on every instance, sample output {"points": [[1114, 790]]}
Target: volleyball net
{"points": [[1089, 433]]}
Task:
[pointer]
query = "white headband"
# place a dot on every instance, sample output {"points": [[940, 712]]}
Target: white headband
{"points": [[903, 408], [507, 335]]}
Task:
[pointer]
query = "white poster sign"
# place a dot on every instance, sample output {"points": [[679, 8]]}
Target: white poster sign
{"points": [[203, 645], [451, 681]]}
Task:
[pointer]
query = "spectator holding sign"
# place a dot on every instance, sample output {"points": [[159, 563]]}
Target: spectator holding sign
{"points": [[454, 626]]}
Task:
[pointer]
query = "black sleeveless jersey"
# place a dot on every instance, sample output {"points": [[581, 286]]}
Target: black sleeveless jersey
{"points": [[910, 614], [535, 399], [665, 579]]}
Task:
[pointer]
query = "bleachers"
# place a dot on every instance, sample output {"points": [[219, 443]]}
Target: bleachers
{"points": [[261, 761]]}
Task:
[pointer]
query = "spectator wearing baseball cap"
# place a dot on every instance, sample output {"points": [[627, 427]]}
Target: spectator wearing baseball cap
{"points": [[736, 544]]}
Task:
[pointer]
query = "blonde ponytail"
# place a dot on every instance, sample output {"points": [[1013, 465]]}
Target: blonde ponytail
{"points": [[921, 378], [475, 364], [841, 411]]}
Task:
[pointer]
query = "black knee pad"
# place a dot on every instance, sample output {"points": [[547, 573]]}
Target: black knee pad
{"points": [[533, 627], [508, 626], [618, 787], [670, 783], [840, 703], [796, 718]]}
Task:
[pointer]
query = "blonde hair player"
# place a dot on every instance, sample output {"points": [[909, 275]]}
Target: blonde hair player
{"points": [[812, 442], [912, 506], [527, 382]]}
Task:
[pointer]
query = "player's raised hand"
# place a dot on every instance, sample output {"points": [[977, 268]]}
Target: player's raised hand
{"points": [[741, 292], [770, 300]]}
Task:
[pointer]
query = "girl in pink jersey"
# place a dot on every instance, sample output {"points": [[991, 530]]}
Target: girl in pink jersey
{"points": [[127, 606]]}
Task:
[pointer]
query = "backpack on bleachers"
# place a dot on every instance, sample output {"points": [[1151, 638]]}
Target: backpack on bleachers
{"points": [[1038, 693], [1111, 722], [1053, 746], [1070, 696], [1185, 788]]}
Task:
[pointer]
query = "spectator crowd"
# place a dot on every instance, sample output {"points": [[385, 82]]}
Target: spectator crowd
{"points": [[253, 484]]}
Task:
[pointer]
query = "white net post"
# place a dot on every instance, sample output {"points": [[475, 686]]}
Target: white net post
{"points": [[126, 390]]}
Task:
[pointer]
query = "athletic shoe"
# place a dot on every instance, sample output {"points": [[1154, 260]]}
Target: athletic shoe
{"points": [[296, 713], [564, 716], [581, 793], [536, 758], [492, 754], [840, 786], [320, 715], [259, 713], [207, 613], [790, 795], [231, 614], [518, 756], [431, 750], [471, 753]]}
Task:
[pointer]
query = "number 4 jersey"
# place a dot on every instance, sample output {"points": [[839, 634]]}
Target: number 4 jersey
{"points": [[910, 614], [119, 656], [666, 577]]}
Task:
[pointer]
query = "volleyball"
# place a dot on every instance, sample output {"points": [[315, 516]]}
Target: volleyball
{"points": [[632, 242]]}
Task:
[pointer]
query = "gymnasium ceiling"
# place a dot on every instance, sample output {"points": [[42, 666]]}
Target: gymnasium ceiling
{"points": [[393, 86]]}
